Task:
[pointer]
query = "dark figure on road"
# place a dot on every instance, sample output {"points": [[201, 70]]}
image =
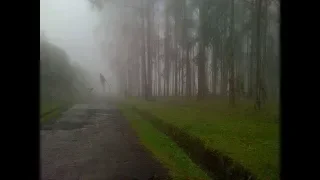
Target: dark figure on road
{"points": [[103, 81]]}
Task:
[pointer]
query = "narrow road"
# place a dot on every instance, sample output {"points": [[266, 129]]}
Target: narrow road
{"points": [[94, 142]]}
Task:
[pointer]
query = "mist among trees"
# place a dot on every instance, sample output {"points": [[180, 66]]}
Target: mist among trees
{"points": [[197, 80], [194, 48]]}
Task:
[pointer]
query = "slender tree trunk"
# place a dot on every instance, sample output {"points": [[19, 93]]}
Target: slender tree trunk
{"points": [[170, 79], [172, 83], [179, 77], [138, 77], [176, 74], [253, 51], [154, 72], [149, 8], [195, 79], [225, 68], [192, 73], [176, 55], [201, 60], [166, 53], [188, 75], [224, 74], [264, 61], [232, 63], [248, 62], [182, 72], [221, 76], [164, 84], [158, 62], [214, 70], [258, 56], [251, 72], [143, 56], [195, 67]]}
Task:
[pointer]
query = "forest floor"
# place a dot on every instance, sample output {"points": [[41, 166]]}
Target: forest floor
{"points": [[248, 137], [94, 141]]}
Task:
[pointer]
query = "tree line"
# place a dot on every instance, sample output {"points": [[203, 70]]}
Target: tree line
{"points": [[196, 48]]}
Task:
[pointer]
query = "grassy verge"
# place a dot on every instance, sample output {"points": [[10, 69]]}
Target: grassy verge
{"points": [[164, 149], [50, 111], [249, 137], [47, 107]]}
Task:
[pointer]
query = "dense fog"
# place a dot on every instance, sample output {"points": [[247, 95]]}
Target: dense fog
{"points": [[170, 48]]}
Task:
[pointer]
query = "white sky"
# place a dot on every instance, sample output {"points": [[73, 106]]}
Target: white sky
{"points": [[69, 24]]}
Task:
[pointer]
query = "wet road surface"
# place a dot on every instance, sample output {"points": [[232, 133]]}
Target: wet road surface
{"points": [[94, 141]]}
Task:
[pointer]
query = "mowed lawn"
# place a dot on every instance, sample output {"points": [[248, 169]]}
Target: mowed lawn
{"points": [[249, 137]]}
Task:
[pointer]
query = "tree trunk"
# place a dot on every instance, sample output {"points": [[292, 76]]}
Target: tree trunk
{"points": [[166, 54], [221, 71], [248, 62], [164, 85], [155, 78], [149, 25], [176, 73], [253, 52], [213, 70], [138, 77], [129, 78], [176, 55], [194, 80], [232, 73], [258, 56], [143, 56], [201, 60], [192, 73], [195, 68], [224, 75], [182, 72], [188, 75], [158, 62], [264, 61], [179, 77], [172, 83], [224, 65]]}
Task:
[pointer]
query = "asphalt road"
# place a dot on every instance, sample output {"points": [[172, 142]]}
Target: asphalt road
{"points": [[94, 141]]}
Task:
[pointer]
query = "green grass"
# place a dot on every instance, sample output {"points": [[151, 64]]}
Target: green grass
{"points": [[249, 137], [51, 115], [164, 149], [51, 110], [47, 107]]}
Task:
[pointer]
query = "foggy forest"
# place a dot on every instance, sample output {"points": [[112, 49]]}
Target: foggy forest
{"points": [[193, 84]]}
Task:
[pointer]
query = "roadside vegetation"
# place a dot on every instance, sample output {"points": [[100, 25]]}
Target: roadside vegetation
{"points": [[204, 72], [61, 81], [249, 137], [163, 148]]}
